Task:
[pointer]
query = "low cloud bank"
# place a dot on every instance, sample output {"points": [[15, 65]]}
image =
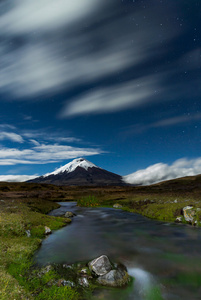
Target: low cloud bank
{"points": [[16, 178], [161, 172]]}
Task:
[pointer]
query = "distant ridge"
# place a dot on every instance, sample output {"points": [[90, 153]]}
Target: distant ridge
{"points": [[80, 172]]}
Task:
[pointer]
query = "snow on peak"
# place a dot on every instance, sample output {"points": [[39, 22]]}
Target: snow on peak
{"points": [[71, 166]]}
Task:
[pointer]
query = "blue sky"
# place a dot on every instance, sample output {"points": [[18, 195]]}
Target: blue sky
{"points": [[117, 82]]}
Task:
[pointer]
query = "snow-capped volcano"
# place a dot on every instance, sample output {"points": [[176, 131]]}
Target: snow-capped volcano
{"points": [[80, 172], [71, 166]]}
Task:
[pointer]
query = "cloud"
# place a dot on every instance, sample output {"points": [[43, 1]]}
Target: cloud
{"points": [[41, 136], [14, 137], [7, 126], [177, 120], [161, 172], [51, 47], [36, 143], [114, 98], [43, 154], [16, 178], [26, 17]]}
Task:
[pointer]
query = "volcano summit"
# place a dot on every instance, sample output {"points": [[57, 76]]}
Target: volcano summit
{"points": [[80, 172]]}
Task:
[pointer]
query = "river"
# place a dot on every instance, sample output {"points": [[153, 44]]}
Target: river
{"points": [[164, 258]]}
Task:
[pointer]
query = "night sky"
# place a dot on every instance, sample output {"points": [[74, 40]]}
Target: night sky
{"points": [[117, 82]]}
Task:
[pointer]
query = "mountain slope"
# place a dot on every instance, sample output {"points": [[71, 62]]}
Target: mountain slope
{"points": [[80, 172]]}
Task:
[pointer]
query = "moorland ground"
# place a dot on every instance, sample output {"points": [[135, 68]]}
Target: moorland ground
{"points": [[24, 206]]}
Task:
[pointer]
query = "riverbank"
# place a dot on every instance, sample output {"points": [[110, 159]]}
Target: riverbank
{"points": [[23, 208], [167, 208], [22, 228]]}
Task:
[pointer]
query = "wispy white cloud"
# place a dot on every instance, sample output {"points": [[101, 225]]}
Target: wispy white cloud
{"points": [[177, 120], [115, 98], [14, 137], [26, 17], [38, 137], [161, 172], [16, 178], [7, 126], [168, 122], [43, 154], [36, 143], [59, 44]]}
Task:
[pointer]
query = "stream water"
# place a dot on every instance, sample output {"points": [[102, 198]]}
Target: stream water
{"points": [[164, 258]]}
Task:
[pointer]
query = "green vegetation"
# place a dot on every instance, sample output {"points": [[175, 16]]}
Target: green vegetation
{"points": [[56, 293], [88, 201], [17, 249], [23, 207]]}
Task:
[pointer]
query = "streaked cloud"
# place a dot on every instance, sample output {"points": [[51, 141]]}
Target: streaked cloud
{"points": [[36, 143], [115, 98], [14, 137], [52, 47], [16, 178], [25, 17], [43, 154], [168, 122], [161, 172], [177, 120], [38, 137], [7, 126]]}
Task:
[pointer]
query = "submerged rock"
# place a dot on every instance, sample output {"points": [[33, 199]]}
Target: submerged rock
{"points": [[69, 214], [115, 278], [109, 275], [100, 266]]}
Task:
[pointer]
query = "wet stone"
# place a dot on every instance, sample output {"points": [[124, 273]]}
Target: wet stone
{"points": [[69, 214], [83, 281], [114, 278], [47, 230], [100, 265]]}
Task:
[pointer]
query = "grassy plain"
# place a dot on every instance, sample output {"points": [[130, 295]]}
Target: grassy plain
{"points": [[23, 206]]}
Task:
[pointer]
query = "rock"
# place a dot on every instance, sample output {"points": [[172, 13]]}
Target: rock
{"points": [[116, 205], [195, 223], [114, 278], [83, 281], [189, 214], [100, 266], [47, 230], [83, 271], [63, 282], [178, 219], [69, 214], [66, 266], [28, 233], [44, 270]]}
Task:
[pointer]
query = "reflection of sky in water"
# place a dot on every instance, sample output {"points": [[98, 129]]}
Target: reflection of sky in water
{"points": [[143, 245]]}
